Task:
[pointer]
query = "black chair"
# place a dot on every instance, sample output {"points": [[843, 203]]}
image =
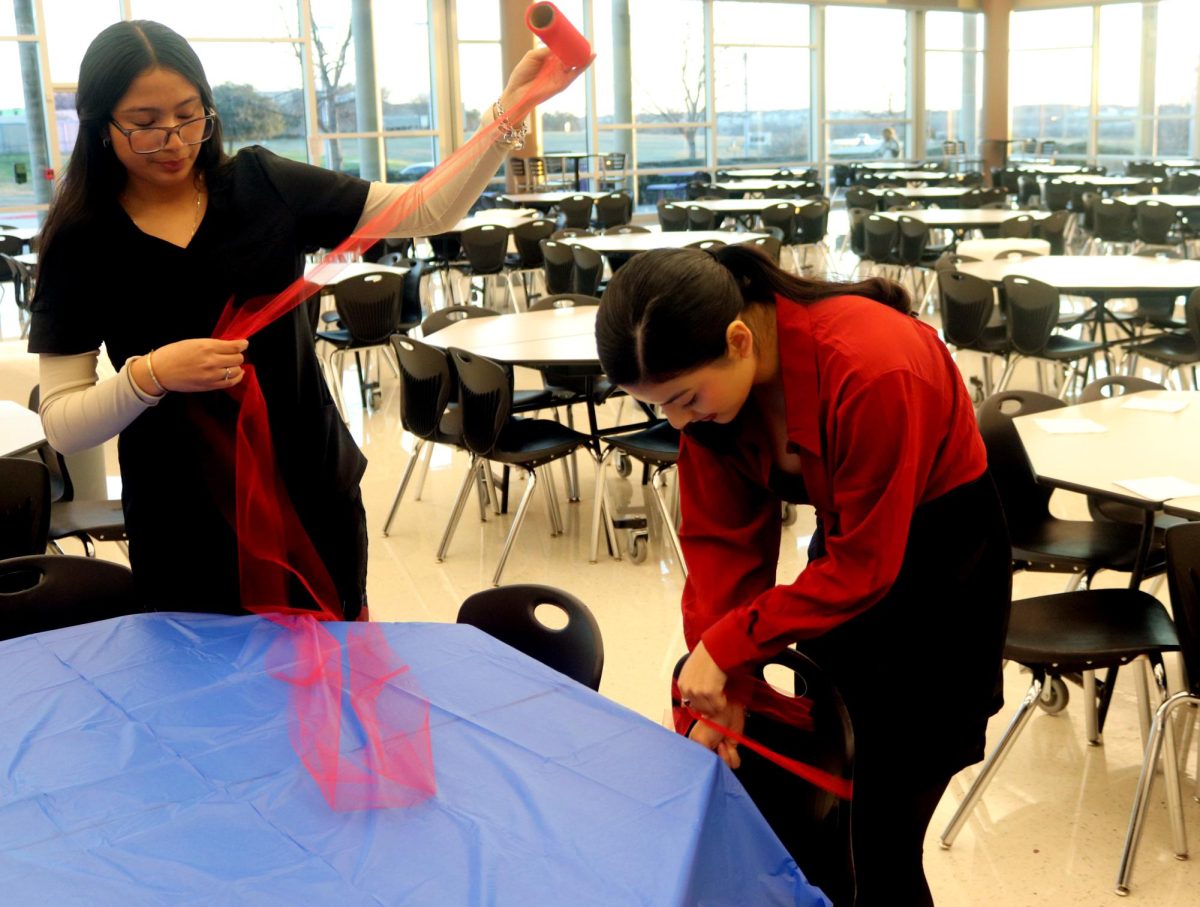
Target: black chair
{"points": [[1041, 541], [1176, 351], [856, 234], [771, 246], [576, 211], [1053, 229], [427, 387], [589, 270], [369, 310], [671, 217], [492, 432], [1183, 580], [1154, 225], [912, 239], [1019, 227], [486, 250], [510, 614], [47, 592], [812, 224], [700, 218], [814, 825], [1033, 315], [558, 266], [808, 189], [86, 520], [861, 198], [1073, 632], [1112, 225], [969, 315], [1056, 195], [658, 448], [614, 209], [1184, 184], [528, 237], [21, 276], [625, 229], [612, 163], [24, 507], [879, 234]]}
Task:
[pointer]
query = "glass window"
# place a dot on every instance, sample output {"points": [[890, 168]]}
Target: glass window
{"points": [[862, 101], [409, 159], [478, 20], [761, 117], [668, 58], [70, 28], [1119, 79], [480, 63], [564, 117], [953, 82], [672, 147], [1050, 77], [1051, 29], [259, 95], [404, 79], [24, 154], [222, 18], [1175, 78], [760, 24]]}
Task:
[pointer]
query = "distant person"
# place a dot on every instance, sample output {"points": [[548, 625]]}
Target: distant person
{"points": [[890, 145]]}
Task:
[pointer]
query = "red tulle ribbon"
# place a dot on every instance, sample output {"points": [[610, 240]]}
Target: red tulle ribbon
{"points": [[358, 720], [760, 697]]}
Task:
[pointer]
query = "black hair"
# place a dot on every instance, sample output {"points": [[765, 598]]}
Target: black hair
{"points": [[665, 312], [117, 56]]}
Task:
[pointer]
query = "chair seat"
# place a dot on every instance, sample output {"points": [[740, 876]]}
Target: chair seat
{"points": [[102, 520], [1076, 631], [449, 429], [657, 445], [534, 399], [1173, 349], [1082, 543], [341, 338], [1061, 347], [993, 340], [533, 442]]}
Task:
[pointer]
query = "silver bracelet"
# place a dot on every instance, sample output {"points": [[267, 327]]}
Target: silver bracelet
{"points": [[514, 138], [153, 377]]}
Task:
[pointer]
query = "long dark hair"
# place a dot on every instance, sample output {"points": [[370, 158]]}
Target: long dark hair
{"points": [[665, 312], [117, 56]]}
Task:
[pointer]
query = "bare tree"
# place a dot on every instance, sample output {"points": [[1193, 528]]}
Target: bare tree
{"points": [[694, 107], [329, 76]]}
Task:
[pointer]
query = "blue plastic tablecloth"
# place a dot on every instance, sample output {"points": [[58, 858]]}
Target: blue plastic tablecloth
{"points": [[146, 760]]}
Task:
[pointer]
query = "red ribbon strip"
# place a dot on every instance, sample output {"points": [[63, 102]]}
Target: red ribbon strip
{"points": [[760, 697]]}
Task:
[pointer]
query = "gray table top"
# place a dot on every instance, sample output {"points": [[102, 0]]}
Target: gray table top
{"points": [[1094, 273]]}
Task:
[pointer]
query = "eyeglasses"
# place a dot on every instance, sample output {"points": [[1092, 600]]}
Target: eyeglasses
{"points": [[149, 139]]}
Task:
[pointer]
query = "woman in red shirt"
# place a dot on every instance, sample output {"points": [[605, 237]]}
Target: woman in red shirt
{"points": [[832, 395]]}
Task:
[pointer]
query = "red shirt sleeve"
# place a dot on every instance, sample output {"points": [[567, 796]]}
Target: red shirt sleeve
{"points": [[883, 438]]}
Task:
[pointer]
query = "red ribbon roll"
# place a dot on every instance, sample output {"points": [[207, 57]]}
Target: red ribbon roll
{"points": [[557, 33]]}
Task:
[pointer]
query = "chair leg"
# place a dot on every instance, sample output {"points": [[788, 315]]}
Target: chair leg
{"points": [[456, 514], [656, 491], [518, 519], [1159, 731], [1091, 713], [994, 761], [556, 523], [420, 489], [599, 504], [335, 380], [482, 490], [408, 471]]}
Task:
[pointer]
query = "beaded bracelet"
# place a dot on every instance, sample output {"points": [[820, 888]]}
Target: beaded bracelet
{"points": [[153, 377], [514, 138]]}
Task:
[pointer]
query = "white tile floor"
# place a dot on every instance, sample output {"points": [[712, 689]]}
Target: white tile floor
{"points": [[1048, 831]]}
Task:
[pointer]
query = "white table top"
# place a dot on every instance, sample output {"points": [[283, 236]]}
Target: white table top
{"points": [[890, 165], [25, 233], [328, 273], [751, 173], [988, 249], [644, 242], [1112, 182], [27, 258], [1049, 169], [1184, 507], [20, 429], [918, 176], [924, 191], [1179, 201], [504, 217], [964, 217], [1136, 444], [744, 205], [1095, 273], [547, 198], [757, 185], [550, 337]]}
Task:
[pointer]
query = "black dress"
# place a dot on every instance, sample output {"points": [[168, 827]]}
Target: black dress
{"points": [[105, 281]]}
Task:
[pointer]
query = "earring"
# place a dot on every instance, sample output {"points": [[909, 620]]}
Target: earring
{"points": [[105, 142]]}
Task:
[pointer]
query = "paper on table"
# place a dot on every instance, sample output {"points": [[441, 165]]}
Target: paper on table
{"points": [[1155, 404], [1160, 488], [1070, 426]]}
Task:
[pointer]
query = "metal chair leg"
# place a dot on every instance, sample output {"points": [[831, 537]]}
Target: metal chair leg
{"points": [[420, 489], [456, 514], [599, 504], [994, 761], [656, 491], [518, 519], [408, 471], [556, 523]]}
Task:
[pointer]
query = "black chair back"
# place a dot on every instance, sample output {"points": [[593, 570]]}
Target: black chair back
{"points": [[911, 240], [861, 198], [1112, 221], [812, 222], [485, 395], [614, 209], [1116, 386], [45, 592], [1019, 227], [1154, 221], [369, 306], [672, 218], [1184, 184], [528, 237], [558, 265], [879, 234], [701, 218], [589, 270], [857, 231], [1056, 195], [808, 189], [452, 313], [1033, 309], [771, 247], [509, 613], [486, 248], [1053, 229], [576, 210], [783, 217], [1183, 580], [967, 306], [24, 507], [1026, 503], [426, 385], [61, 487]]}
